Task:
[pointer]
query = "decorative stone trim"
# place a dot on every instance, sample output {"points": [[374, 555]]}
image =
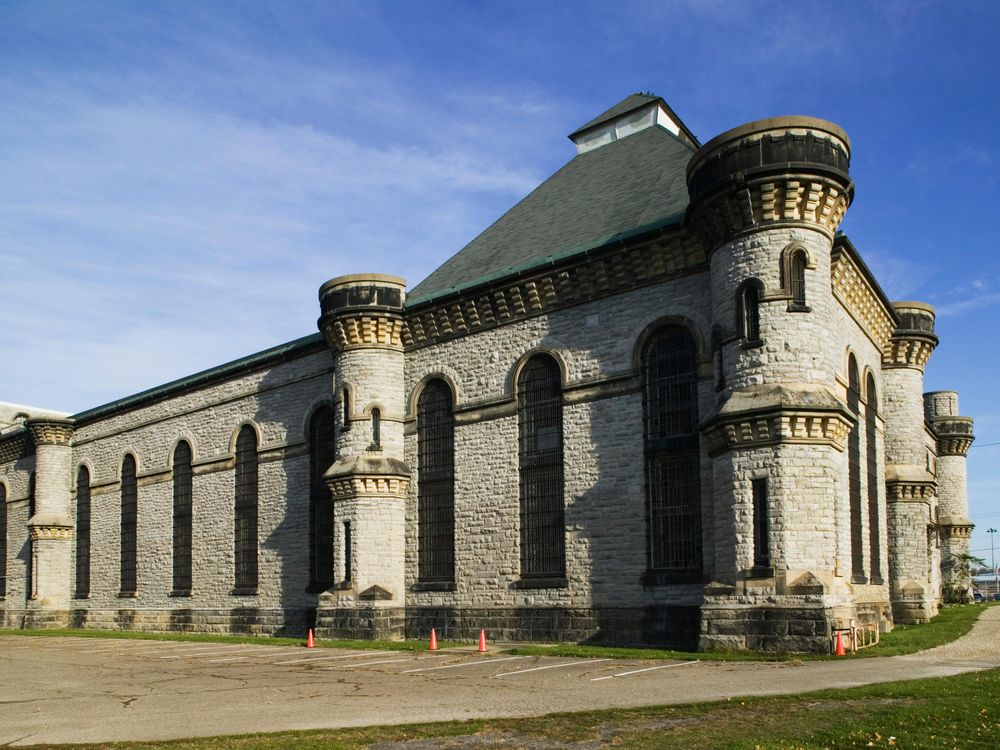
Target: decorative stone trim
{"points": [[957, 531], [60, 533], [669, 255], [371, 485], [954, 435], [903, 490], [859, 299], [908, 350], [48, 431], [758, 430], [14, 446], [367, 330]]}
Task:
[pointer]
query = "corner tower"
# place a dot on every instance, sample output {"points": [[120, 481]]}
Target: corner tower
{"points": [[362, 321], [768, 197]]}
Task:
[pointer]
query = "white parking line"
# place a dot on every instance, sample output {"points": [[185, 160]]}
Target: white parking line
{"points": [[555, 666], [198, 653], [647, 669], [369, 663], [466, 664], [331, 658]]}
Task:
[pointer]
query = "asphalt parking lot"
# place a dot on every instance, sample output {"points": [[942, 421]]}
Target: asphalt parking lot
{"points": [[86, 690]]}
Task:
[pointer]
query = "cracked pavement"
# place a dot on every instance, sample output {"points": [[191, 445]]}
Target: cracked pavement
{"points": [[56, 689]]}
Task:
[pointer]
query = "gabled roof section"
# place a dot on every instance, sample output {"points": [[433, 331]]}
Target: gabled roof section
{"points": [[628, 108], [630, 183], [626, 105]]}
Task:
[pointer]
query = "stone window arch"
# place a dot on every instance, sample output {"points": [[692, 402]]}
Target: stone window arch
{"points": [[748, 300], [874, 533], [245, 544], [540, 462], [183, 517], [82, 588], [322, 454], [854, 471], [795, 261], [436, 483], [128, 562], [671, 451]]}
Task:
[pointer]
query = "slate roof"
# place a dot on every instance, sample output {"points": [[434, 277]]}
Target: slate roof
{"points": [[623, 107], [636, 182]]}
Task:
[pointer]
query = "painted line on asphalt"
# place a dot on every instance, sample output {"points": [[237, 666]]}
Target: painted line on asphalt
{"points": [[266, 653], [555, 666], [197, 654], [331, 658], [369, 663], [465, 664], [647, 669]]}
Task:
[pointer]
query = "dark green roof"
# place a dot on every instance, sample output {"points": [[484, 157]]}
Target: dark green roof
{"points": [[623, 107], [634, 182]]}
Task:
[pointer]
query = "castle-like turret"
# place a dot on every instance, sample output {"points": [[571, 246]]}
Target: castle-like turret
{"points": [[362, 321], [954, 438], [768, 197], [911, 489]]}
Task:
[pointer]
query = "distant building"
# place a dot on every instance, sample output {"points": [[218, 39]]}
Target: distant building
{"points": [[661, 400]]}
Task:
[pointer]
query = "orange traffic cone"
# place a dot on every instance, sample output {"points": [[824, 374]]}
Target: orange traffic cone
{"points": [[310, 643], [482, 642], [434, 640], [840, 645]]}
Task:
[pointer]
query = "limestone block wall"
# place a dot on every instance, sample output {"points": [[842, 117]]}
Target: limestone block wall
{"points": [[374, 379], [14, 475], [603, 451], [906, 441]]}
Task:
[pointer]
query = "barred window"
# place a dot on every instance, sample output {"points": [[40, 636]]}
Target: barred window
{"points": [[183, 517], [436, 488], [797, 278], [673, 477], [749, 311], [543, 529], [322, 454], [761, 534], [348, 553], [873, 515], [3, 541], [129, 518], [29, 563], [245, 543], [854, 471], [82, 531]]}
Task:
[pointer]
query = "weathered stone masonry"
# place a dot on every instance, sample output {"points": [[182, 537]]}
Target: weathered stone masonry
{"points": [[747, 456]]}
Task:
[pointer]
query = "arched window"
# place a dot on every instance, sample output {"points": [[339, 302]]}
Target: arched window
{"points": [[82, 531], [245, 543], [30, 564], [376, 428], [3, 540], [673, 478], [854, 469], [871, 413], [322, 454], [749, 311], [129, 520], [183, 517], [797, 278], [543, 531], [436, 485]]}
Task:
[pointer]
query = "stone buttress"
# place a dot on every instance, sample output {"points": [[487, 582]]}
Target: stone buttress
{"points": [[954, 438], [362, 321], [768, 198], [911, 486]]}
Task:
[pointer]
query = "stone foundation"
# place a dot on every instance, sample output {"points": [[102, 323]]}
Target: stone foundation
{"points": [[763, 628], [361, 623]]}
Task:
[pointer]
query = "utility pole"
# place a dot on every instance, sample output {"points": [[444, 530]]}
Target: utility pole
{"points": [[993, 560]]}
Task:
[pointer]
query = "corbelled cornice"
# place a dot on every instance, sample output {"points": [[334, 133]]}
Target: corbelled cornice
{"points": [[14, 446], [368, 486], [954, 435], [363, 331], [50, 431], [910, 350], [786, 426], [59, 533], [859, 298], [909, 490]]}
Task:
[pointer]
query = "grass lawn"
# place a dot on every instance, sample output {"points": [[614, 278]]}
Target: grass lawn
{"points": [[950, 712]]}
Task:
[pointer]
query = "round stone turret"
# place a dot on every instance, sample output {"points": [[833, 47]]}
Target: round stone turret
{"points": [[914, 340], [782, 170], [362, 310]]}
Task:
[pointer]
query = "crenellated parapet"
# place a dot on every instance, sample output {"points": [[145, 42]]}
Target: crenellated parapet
{"points": [[913, 341], [362, 311], [780, 171], [954, 435]]}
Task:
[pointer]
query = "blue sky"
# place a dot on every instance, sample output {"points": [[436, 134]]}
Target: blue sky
{"points": [[179, 177]]}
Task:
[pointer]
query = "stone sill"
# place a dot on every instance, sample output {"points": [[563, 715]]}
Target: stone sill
{"points": [[433, 586], [859, 579], [180, 592], [244, 591], [793, 308], [81, 595], [540, 583], [127, 595]]}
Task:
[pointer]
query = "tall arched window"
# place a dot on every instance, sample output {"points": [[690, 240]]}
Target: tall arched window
{"points": [[436, 486], [245, 543], [30, 565], [129, 521], [3, 540], [854, 470], [322, 454], [82, 531], [183, 517], [749, 311], [673, 479], [797, 278], [543, 530], [874, 535]]}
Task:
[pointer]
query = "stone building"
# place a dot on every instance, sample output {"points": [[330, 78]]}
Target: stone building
{"points": [[661, 400]]}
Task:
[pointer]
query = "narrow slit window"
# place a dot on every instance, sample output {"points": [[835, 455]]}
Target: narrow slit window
{"points": [[183, 480], [761, 535], [854, 472], [245, 527], [129, 523], [348, 550], [3, 541], [322, 454], [376, 428], [797, 278], [750, 312], [875, 536], [82, 532]]}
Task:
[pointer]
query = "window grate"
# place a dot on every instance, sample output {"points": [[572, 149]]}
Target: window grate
{"points": [[797, 282], [183, 517], [436, 488], [82, 532], [3, 540], [543, 529], [873, 515], [750, 304], [322, 454], [854, 471], [761, 536], [245, 545], [129, 519], [673, 477]]}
